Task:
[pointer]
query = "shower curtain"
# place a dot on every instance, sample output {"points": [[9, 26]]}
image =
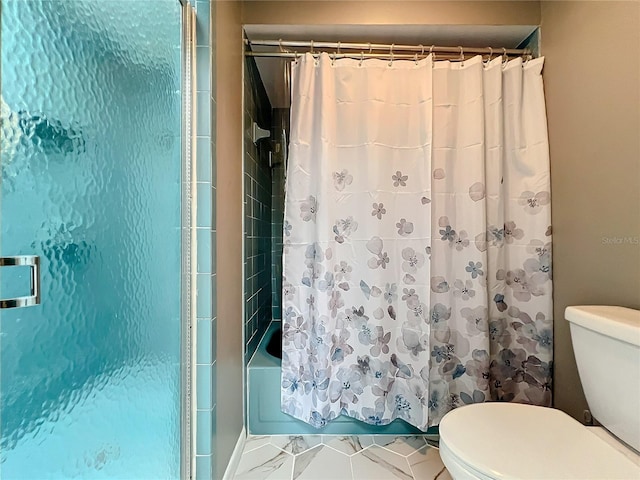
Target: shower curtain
{"points": [[417, 273]]}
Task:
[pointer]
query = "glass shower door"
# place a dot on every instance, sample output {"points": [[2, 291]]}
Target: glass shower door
{"points": [[90, 168]]}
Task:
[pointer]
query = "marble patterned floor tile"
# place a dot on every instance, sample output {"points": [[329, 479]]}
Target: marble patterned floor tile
{"points": [[401, 445], [255, 441], [445, 475], [265, 462], [377, 463], [427, 465], [296, 444], [321, 463], [348, 445]]}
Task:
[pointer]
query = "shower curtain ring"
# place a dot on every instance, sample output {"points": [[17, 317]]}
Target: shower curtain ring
{"points": [[490, 55], [461, 56], [361, 59], [505, 59], [391, 52], [415, 58], [432, 53], [311, 47]]}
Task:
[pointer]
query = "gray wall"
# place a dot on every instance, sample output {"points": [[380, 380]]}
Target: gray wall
{"points": [[228, 103], [592, 84]]}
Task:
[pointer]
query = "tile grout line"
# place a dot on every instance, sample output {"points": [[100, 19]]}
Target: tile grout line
{"points": [[345, 454], [293, 467], [405, 456], [440, 473], [390, 464], [351, 466], [411, 469]]}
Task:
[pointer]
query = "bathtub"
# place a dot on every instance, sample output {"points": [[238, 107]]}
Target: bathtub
{"points": [[266, 418]]}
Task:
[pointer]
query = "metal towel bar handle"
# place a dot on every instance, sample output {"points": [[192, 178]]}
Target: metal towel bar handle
{"points": [[32, 261]]}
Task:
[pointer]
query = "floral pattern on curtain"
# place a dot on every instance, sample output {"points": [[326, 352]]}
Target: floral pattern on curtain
{"points": [[417, 250], [490, 299]]}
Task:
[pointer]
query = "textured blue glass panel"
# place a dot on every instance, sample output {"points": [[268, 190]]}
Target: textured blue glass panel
{"points": [[90, 182]]}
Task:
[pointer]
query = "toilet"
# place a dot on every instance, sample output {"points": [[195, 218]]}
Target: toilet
{"points": [[517, 441]]}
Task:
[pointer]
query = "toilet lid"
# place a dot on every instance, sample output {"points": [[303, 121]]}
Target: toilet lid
{"points": [[509, 440]]}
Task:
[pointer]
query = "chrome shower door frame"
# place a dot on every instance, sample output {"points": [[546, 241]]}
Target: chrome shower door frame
{"points": [[188, 294]]}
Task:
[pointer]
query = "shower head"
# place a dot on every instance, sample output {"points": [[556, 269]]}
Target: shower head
{"points": [[257, 133]]}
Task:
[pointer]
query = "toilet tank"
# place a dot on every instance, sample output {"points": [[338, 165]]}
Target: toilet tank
{"points": [[606, 342]]}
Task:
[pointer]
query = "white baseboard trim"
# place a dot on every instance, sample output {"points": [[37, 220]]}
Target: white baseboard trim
{"points": [[232, 466]]}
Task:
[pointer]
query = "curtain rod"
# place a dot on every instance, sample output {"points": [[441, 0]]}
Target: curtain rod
{"points": [[384, 47]]}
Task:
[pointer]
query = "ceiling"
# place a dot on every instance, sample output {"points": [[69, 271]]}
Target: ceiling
{"points": [[272, 68]]}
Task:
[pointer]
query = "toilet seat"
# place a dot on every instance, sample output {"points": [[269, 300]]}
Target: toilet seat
{"points": [[515, 441]]}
